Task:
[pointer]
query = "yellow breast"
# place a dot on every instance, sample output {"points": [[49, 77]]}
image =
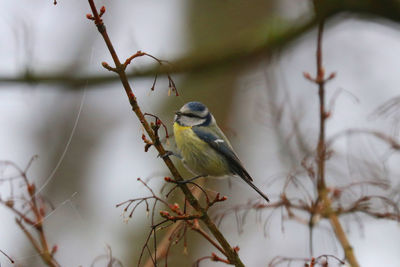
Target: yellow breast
{"points": [[185, 137], [197, 155]]}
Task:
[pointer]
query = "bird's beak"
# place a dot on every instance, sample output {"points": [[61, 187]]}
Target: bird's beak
{"points": [[177, 115]]}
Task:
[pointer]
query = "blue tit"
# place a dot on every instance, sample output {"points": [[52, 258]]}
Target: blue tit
{"points": [[204, 148]]}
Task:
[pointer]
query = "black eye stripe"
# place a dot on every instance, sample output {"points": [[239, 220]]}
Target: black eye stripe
{"points": [[190, 115]]}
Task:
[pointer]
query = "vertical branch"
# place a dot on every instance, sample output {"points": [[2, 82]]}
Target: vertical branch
{"points": [[120, 70], [38, 211], [323, 197], [321, 93], [45, 251]]}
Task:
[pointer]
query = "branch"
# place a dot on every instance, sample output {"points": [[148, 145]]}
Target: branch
{"points": [[32, 204], [230, 252], [321, 156], [192, 63], [388, 9]]}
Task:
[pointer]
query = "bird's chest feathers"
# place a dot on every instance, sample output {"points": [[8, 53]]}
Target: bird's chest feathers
{"points": [[187, 141], [197, 154]]}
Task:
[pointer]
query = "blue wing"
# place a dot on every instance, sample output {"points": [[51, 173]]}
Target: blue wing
{"points": [[222, 146]]}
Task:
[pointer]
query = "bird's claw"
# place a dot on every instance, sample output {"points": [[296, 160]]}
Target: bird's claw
{"points": [[169, 153], [166, 154], [192, 179]]}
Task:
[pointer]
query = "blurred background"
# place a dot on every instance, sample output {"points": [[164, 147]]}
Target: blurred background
{"points": [[248, 60]]}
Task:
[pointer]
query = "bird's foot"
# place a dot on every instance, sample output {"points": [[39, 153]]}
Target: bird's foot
{"points": [[169, 153], [191, 179]]}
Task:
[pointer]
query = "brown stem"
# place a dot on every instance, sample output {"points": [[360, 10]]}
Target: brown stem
{"points": [[44, 254], [164, 244], [40, 246], [321, 157], [230, 252], [342, 237], [321, 93], [29, 236], [206, 236]]}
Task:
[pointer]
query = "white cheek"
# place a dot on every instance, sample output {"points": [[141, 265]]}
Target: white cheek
{"points": [[188, 121]]}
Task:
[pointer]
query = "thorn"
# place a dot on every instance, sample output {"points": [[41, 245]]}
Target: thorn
{"points": [[196, 224], [168, 179], [321, 73], [308, 76], [331, 76], [31, 189], [108, 67], [164, 213], [42, 211], [89, 16], [131, 95], [54, 249], [10, 203], [102, 10]]}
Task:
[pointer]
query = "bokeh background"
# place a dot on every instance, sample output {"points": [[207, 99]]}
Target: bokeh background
{"points": [[89, 143]]}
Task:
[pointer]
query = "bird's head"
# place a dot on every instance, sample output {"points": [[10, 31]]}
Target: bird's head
{"points": [[194, 114]]}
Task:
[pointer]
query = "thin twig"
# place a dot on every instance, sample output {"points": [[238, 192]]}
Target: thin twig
{"points": [[321, 156]]}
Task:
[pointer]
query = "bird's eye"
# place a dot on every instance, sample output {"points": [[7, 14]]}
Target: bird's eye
{"points": [[191, 115]]}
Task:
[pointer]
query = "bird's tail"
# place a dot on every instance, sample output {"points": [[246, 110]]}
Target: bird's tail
{"points": [[241, 171], [256, 188]]}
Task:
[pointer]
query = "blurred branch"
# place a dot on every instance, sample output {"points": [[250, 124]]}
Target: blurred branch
{"points": [[378, 135], [181, 221], [248, 52], [109, 258], [321, 157], [195, 62], [313, 262], [31, 213], [166, 242], [327, 203], [387, 9], [119, 69]]}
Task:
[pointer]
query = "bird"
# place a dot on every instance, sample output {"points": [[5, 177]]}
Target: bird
{"points": [[204, 148]]}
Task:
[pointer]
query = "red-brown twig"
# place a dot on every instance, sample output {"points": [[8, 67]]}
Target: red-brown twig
{"points": [[175, 215], [320, 260], [157, 124], [323, 197], [171, 83], [32, 213], [110, 259], [213, 257]]}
